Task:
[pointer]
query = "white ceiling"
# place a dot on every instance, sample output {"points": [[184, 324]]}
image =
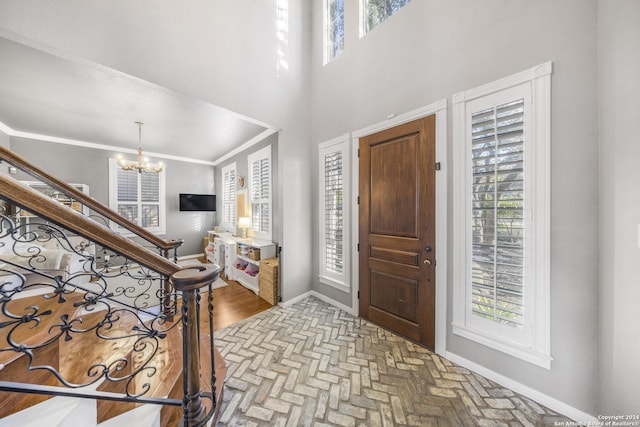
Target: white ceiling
{"points": [[45, 94]]}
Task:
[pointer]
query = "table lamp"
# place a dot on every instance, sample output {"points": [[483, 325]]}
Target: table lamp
{"points": [[244, 222]]}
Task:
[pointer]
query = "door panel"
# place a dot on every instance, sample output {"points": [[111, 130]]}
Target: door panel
{"points": [[393, 187], [395, 295], [397, 225]]}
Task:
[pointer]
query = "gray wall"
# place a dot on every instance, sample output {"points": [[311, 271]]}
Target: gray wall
{"points": [[90, 166], [619, 111], [433, 49], [242, 170]]}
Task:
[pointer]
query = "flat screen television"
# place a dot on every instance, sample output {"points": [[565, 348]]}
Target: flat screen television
{"points": [[198, 202]]}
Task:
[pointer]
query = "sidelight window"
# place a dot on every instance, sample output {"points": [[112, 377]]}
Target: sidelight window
{"points": [[333, 207], [501, 284]]}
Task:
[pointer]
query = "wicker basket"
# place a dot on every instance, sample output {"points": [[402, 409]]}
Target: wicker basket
{"points": [[268, 283]]}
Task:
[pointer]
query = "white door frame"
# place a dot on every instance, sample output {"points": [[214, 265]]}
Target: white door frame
{"points": [[438, 108]]}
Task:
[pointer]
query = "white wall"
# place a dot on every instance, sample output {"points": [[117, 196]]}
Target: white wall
{"points": [[432, 49], [619, 105], [247, 56]]}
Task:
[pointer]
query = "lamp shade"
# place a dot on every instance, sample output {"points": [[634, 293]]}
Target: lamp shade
{"points": [[244, 222]]}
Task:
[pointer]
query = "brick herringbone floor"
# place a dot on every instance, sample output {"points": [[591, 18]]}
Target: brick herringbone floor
{"points": [[314, 365]]}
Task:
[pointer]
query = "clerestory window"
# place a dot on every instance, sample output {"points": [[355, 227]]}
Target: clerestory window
{"points": [[333, 29], [374, 12]]}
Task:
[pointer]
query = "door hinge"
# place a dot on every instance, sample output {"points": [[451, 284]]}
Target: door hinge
{"points": [[358, 152], [358, 294], [437, 166], [358, 247], [358, 199]]}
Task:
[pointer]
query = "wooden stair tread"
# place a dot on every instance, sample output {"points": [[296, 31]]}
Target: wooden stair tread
{"points": [[87, 349], [167, 360], [31, 334], [16, 364], [73, 358]]}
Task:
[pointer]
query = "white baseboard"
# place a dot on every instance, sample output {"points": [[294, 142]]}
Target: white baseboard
{"points": [[295, 300], [539, 397], [318, 295], [188, 257]]}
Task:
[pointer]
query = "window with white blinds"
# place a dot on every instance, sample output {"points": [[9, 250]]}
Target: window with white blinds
{"points": [[497, 207], [333, 218], [333, 215], [139, 197], [501, 183], [260, 192], [229, 195]]}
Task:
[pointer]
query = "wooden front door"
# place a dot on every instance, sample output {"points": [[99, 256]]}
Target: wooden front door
{"points": [[397, 229]]}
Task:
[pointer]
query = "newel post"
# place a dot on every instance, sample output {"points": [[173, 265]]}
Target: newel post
{"points": [[165, 294], [189, 281]]}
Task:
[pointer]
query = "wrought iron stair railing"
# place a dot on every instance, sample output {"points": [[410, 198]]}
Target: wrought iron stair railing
{"points": [[55, 318]]}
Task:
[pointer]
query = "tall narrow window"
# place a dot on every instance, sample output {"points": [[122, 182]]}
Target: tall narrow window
{"points": [[334, 204], [374, 12], [229, 195], [260, 192], [497, 213], [333, 29], [501, 283], [139, 197]]}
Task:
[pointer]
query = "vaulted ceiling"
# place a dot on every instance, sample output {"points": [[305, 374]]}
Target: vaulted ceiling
{"points": [[47, 94]]}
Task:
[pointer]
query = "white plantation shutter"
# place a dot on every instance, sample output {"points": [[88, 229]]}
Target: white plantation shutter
{"points": [[150, 199], [127, 194], [139, 197], [502, 215], [334, 212], [333, 218], [497, 220], [260, 192], [229, 194]]}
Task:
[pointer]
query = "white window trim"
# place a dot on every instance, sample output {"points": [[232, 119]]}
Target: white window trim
{"points": [[536, 347], [230, 167], [113, 202], [263, 153], [336, 280]]}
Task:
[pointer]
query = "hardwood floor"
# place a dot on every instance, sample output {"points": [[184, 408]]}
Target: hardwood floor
{"points": [[233, 303]]}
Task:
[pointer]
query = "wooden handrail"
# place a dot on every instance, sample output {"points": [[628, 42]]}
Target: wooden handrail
{"points": [[21, 163], [27, 198]]}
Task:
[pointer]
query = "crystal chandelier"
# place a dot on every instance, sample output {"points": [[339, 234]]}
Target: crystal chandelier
{"points": [[142, 165]]}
